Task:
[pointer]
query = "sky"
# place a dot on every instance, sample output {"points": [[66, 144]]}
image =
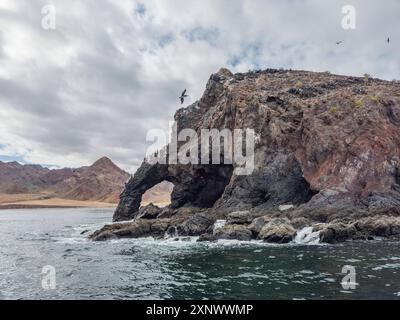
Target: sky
{"points": [[110, 71]]}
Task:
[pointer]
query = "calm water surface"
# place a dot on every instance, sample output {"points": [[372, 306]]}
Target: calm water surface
{"points": [[149, 269]]}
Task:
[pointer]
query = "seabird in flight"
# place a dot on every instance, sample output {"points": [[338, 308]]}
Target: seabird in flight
{"points": [[183, 96], [339, 42], [388, 40]]}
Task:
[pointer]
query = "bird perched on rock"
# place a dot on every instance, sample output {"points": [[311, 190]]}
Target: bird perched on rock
{"points": [[183, 96]]}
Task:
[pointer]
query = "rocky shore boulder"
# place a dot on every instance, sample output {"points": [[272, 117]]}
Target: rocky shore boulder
{"points": [[257, 224], [233, 232], [135, 229], [196, 225], [338, 232], [381, 227], [362, 229], [207, 237], [277, 231], [149, 212], [239, 217]]}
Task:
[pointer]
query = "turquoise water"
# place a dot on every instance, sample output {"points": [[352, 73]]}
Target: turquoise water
{"points": [[184, 269]]}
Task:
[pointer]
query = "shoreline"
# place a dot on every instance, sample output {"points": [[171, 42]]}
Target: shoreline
{"points": [[23, 206], [51, 203], [303, 223]]}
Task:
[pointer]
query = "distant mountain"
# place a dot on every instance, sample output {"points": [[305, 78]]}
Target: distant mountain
{"points": [[103, 181], [159, 195]]}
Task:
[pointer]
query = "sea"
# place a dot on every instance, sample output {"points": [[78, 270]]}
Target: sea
{"points": [[46, 254]]}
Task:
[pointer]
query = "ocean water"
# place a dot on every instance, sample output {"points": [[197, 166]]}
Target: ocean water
{"points": [[184, 269]]}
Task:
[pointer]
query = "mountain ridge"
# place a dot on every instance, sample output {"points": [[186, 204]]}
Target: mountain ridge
{"points": [[102, 181]]}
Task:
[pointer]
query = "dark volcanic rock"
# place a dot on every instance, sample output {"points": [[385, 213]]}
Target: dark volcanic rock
{"points": [[149, 212], [146, 177], [196, 225], [233, 232], [158, 228], [135, 229]]}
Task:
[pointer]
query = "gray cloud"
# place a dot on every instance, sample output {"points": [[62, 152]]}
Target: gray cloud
{"points": [[113, 70]]}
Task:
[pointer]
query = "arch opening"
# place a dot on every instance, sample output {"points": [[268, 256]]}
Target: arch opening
{"points": [[159, 195]]}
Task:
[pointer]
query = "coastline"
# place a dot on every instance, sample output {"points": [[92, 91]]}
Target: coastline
{"points": [[53, 203], [22, 207], [313, 224]]}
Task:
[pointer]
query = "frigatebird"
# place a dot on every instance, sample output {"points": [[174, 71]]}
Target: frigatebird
{"points": [[183, 96]]}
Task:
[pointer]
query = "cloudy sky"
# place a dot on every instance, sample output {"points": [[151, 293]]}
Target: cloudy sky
{"points": [[112, 70]]}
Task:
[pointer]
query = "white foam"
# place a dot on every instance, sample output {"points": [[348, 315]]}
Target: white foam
{"points": [[219, 224], [387, 266], [171, 235], [307, 236]]}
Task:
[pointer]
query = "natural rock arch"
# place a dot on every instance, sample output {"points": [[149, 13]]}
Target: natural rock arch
{"points": [[198, 186]]}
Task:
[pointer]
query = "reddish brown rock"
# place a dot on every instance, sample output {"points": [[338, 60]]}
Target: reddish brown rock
{"points": [[327, 146]]}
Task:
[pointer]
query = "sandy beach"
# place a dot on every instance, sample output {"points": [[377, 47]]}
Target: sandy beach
{"points": [[29, 201]]}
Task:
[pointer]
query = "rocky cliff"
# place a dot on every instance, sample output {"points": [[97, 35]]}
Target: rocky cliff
{"points": [[327, 155]]}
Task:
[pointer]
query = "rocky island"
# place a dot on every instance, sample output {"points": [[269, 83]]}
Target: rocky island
{"points": [[327, 157]]}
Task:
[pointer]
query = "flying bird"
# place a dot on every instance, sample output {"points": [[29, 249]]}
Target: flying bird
{"points": [[183, 96], [339, 42], [388, 40]]}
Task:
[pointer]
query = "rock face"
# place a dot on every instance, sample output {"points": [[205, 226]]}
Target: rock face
{"points": [[327, 147]]}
